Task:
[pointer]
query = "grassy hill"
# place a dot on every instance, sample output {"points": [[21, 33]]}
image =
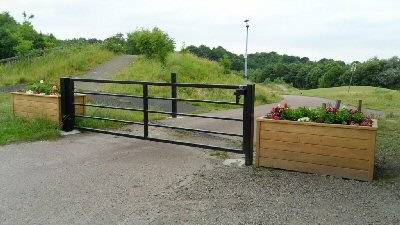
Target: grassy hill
{"points": [[189, 69], [69, 61]]}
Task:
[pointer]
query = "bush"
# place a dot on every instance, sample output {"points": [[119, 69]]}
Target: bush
{"points": [[226, 63], [154, 44], [116, 43]]}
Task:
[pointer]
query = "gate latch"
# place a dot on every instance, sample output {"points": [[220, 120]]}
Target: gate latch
{"points": [[239, 92]]}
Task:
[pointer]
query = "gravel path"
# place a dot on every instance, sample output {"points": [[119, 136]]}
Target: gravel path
{"points": [[105, 71], [101, 179]]}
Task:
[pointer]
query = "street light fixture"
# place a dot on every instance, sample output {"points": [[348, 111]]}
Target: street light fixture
{"points": [[245, 55]]}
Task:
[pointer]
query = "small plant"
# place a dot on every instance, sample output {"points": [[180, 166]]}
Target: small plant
{"points": [[222, 155], [329, 115], [43, 88]]}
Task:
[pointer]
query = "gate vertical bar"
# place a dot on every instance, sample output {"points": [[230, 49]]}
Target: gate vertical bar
{"points": [[67, 104], [248, 123], [145, 110], [174, 94]]}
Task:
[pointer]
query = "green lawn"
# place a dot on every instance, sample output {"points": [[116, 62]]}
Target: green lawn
{"points": [[389, 127], [16, 129], [69, 61], [373, 97]]}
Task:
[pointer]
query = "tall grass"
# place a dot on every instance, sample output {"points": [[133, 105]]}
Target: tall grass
{"points": [[189, 69], [69, 61], [14, 129], [373, 97]]}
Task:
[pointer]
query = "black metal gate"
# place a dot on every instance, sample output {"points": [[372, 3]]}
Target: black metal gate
{"points": [[248, 91]]}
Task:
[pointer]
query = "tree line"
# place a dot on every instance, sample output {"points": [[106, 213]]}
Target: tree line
{"points": [[303, 73], [18, 39]]}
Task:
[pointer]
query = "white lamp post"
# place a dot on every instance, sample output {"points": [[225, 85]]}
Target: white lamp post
{"points": [[245, 55]]}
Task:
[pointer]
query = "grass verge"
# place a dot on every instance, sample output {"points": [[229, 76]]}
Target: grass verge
{"points": [[14, 129], [69, 61]]}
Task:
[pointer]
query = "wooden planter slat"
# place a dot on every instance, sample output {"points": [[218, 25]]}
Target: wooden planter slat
{"points": [[315, 168], [42, 106], [320, 130], [315, 149], [339, 150]]}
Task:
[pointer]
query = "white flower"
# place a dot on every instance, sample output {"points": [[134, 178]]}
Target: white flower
{"points": [[343, 107], [304, 119], [41, 81], [29, 92]]}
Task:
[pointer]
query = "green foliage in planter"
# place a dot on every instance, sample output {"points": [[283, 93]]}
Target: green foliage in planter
{"points": [[327, 115], [42, 87]]}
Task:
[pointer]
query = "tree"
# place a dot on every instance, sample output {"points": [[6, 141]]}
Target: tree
{"points": [[7, 43], [390, 78], [154, 44]]}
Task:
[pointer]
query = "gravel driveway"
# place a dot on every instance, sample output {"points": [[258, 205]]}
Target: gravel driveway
{"points": [[101, 179]]}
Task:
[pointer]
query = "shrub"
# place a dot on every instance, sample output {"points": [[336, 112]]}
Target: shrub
{"points": [[226, 63], [116, 43], [154, 44]]}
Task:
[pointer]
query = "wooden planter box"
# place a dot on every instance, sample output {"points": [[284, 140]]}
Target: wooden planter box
{"points": [[42, 106], [338, 150]]}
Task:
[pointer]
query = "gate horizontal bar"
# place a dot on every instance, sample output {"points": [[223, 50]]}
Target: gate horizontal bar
{"points": [[234, 150], [107, 94], [109, 119], [109, 132], [221, 86], [195, 130], [121, 81], [197, 100], [195, 115], [190, 144], [109, 107]]}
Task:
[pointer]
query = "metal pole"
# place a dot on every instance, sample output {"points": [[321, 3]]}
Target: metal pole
{"points": [[145, 111], [67, 104], [174, 106], [245, 55], [248, 123], [353, 69]]}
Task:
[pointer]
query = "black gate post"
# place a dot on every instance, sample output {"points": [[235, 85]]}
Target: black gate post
{"points": [[174, 107], [145, 111], [67, 104], [248, 123]]}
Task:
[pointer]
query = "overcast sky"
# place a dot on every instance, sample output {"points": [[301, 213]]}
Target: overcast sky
{"points": [[341, 29]]}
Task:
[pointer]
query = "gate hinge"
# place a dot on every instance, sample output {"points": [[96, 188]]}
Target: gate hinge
{"points": [[239, 92]]}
